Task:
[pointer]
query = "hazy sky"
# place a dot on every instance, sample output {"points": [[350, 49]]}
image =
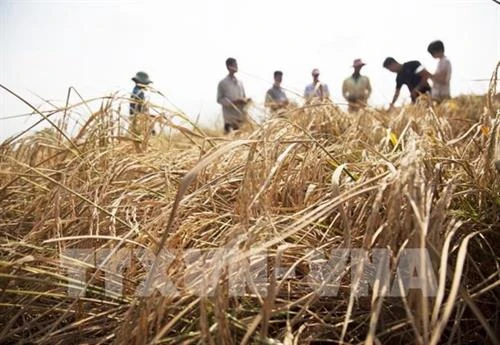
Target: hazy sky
{"points": [[97, 46]]}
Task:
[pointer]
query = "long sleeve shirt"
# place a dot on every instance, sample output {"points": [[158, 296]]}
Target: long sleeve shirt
{"points": [[229, 90], [137, 100]]}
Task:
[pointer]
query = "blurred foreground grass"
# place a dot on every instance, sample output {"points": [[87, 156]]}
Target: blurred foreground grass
{"points": [[286, 191]]}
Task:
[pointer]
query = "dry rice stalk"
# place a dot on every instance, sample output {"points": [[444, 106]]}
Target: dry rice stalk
{"points": [[278, 204]]}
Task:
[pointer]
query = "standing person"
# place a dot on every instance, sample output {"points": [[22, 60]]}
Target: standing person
{"points": [[138, 109], [276, 99], [442, 75], [137, 102], [231, 95], [412, 74], [316, 89], [356, 88]]}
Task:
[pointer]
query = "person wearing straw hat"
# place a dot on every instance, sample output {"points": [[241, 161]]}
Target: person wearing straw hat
{"points": [[316, 89], [356, 88], [231, 96], [139, 119]]}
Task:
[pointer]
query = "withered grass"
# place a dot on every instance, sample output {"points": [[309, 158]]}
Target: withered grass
{"points": [[314, 180]]}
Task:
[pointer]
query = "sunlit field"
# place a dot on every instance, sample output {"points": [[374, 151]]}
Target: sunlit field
{"points": [[193, 237]]}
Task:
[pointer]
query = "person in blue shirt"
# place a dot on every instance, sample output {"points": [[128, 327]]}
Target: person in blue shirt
{"points": [[137, 100], [140, 122]]}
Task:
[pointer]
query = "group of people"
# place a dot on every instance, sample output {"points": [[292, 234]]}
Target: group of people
{"points": [[416, 77], [356, 89]]}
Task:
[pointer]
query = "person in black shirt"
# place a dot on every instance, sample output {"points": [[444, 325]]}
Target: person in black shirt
{"points": [[412, 74]]}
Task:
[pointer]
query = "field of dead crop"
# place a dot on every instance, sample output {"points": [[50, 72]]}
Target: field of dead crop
{"points": [[318, 227]]}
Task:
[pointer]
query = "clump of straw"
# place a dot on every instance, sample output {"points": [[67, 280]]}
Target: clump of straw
{"points": [[288, 193]]}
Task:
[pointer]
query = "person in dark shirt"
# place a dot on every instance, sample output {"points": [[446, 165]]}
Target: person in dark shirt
{"points": [[412, 74], [141, 80], [276, 99], [140, 122]]}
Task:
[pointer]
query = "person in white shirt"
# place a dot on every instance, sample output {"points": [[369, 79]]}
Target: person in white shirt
{"points": [[316, 89], [356, 89], [442, 76]]}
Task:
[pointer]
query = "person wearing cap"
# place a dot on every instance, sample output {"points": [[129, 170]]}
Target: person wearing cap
{"points": [[356, 88], [276, 99], [316, 89], [412, 74], [231, 96], [139, 120], [442, 76], [141, 80]]}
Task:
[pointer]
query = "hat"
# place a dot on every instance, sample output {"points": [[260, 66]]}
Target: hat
{"points": [[142, 78], [315, 71], [358, 63]]}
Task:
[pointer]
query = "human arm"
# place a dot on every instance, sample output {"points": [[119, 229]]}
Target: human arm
{"points": [[274, 104], [345, 91], [244, 99], [225, 101], [325, 92], [368, 88], [424, 77], [243, 90], [269, 102], [221, 96], [395, 97], [440, 77], [138, 100], [306, 92]]}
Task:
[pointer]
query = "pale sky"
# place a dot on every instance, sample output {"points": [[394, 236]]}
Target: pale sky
{"points": [[97, 46]]}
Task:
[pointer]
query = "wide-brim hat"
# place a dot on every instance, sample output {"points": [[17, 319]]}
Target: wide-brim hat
{"points": [[358, 63], [142, 78]]}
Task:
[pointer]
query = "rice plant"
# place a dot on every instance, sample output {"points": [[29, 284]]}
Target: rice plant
{"points": [[192, 237]]}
